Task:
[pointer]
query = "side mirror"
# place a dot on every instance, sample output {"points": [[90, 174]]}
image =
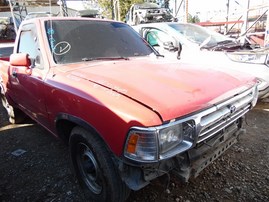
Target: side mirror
{"points": [[169, 46], [20, 59], [179, 50]]}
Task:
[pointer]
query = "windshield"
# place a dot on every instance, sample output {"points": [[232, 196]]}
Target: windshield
{"points": [[197, 34], [146, 6], [84, 40]]}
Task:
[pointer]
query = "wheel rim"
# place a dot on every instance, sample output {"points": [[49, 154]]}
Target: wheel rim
{"points": [[88, 168]]}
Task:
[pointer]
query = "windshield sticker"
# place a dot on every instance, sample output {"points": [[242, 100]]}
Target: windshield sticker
{"points": [[50, 33], [61, 48]]}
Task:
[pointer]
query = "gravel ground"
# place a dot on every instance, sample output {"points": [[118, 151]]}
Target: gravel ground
{"points": [[35, 166]]}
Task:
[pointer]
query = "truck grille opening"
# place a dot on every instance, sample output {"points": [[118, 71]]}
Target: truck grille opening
{"points": [[225, 114]]}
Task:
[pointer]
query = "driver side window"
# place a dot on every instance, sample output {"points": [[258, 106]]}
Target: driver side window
{"points": [[152, 39], [29, 44], [157, 37]]}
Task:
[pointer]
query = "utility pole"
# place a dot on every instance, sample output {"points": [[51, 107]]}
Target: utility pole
{"points": [[13, 17], [119, 14], [116, 7], [266, 37], [227, 17], [112, 9], [245, 24], [175, 8], [186, 10]]}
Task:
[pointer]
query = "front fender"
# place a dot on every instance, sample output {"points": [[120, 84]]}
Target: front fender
{"points": [[65, 123]]}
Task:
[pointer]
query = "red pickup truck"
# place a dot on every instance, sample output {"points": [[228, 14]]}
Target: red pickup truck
{"points": [[127, 114]]}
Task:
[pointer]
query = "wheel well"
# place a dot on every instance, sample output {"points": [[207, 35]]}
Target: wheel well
{"points": [[66, 122], [64, 128]]}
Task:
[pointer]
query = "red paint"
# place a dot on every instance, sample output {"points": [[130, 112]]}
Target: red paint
{"points": [[113, 96]]}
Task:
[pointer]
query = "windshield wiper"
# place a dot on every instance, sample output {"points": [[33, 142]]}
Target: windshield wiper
{"points": [[105, 58], [224, 42], [159, 55], [205, 42]]}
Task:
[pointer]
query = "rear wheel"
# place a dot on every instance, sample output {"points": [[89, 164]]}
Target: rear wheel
{"points": [[15, 115], [94, 167]]}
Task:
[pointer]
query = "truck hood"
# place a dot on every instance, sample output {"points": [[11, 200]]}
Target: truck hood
{"points": [[171, 89]]}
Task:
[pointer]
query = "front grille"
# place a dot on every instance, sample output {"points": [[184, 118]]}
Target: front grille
{"points": [[153, 11], [216, 119]]}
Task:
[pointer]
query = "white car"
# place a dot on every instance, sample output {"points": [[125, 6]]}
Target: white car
{"points": [[195, 44]]}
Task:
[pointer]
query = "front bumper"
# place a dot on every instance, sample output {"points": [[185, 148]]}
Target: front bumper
{"points": [[185, 165], [264, 93], [202, 156]]}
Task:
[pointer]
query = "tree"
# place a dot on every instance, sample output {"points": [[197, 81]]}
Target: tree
{"points": [[109, 10], [125, 6], [193, 19]]}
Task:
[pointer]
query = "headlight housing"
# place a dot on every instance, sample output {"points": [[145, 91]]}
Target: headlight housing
{"points": [[156, 143], [255, 93], [255, 58]]}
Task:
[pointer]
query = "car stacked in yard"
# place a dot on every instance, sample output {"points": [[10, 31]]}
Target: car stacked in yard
{"points": [[146, 13], [196, 44], [127, 114]]}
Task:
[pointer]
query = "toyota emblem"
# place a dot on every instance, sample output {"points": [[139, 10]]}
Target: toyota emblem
{"points": [[232, 109]]}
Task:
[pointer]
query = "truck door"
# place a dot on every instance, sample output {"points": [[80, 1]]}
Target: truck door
{"points": [[28, 87]]}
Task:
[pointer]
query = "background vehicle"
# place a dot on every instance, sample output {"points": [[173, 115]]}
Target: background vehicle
{"points": [[38, 14], [89, 13], [196, 44], [147, 12], [7, 30], [6, 49], [127, 114]]}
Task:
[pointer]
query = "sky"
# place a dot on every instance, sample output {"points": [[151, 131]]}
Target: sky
{"points": [[209, 8]]}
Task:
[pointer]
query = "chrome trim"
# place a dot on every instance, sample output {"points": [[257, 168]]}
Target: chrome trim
{"points": [[225, 114]]}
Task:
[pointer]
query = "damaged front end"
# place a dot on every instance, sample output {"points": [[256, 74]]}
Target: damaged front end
{"points": [[185, 146]]}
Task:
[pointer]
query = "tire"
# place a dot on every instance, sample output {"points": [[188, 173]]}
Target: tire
{"points": [[15, 115], [94, 167]]}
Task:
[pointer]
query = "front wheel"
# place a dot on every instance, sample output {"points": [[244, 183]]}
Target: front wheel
{"points": [[94, 167]]}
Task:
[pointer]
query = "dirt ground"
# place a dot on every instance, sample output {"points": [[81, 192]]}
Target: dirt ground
{"points": [[35, 166]]}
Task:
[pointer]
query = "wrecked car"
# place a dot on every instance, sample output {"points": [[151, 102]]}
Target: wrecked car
{"points": [[189, 42], [147, 13]]}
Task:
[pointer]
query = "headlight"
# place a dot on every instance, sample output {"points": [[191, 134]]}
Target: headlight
{"points": [[155, 143], [256, 58], [255, 95], [170, 137], [141, 144]]}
